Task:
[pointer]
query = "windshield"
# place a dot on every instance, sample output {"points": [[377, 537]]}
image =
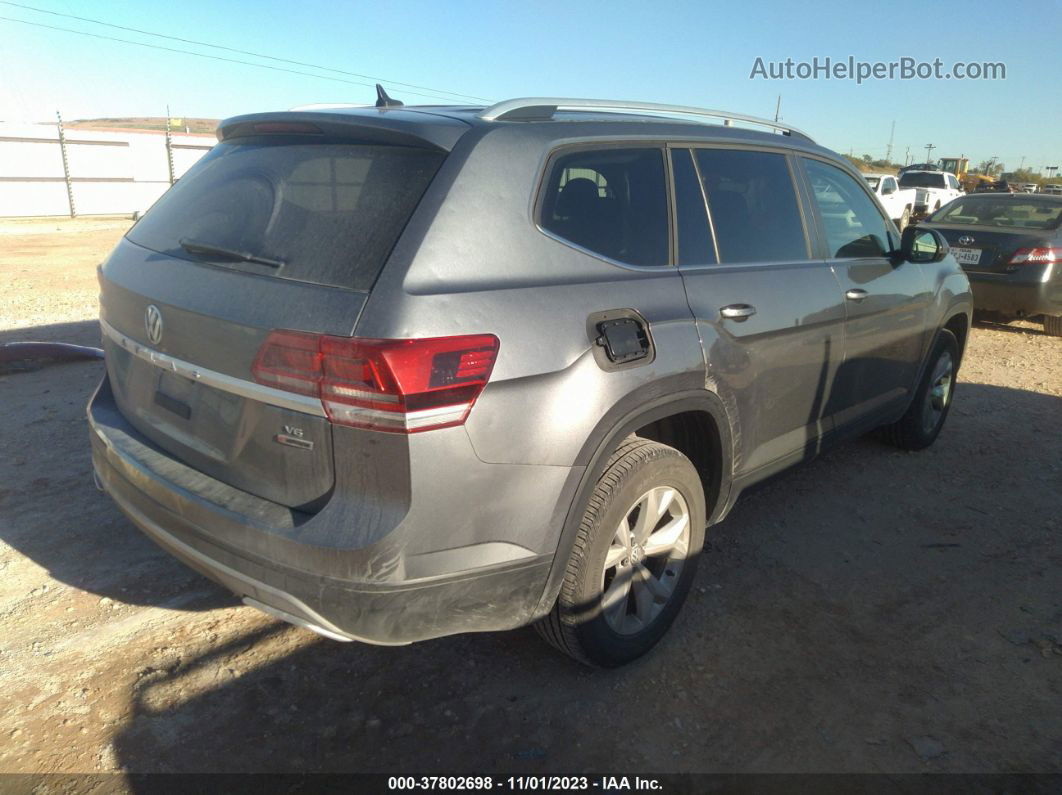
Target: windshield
{"points": [[921, 179], [873, 182], [987, 211], [327, 213]]}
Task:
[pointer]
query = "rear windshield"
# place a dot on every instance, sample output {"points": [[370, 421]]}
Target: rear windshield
{"points": [[327, 213], [986, 211], [916, 179]]}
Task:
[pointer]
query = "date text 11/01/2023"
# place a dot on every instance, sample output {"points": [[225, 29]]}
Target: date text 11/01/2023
{"points": [[525, 783]]}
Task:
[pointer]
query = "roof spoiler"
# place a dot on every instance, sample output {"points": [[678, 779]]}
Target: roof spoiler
{"points": [[393, 127]]}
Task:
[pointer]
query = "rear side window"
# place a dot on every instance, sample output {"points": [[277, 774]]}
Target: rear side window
{"points": [[753, 204], [850, 218], [612, 202], [326, 213]]}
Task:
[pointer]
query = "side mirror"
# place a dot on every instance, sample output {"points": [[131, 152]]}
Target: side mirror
{"points": [[921, 245]]}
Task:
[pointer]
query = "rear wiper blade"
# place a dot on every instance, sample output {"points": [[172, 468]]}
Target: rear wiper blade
{"points": [[212, 250]]}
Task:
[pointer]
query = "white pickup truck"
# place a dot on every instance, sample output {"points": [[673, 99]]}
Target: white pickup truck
{"points": [[934, 188], [898, 202]]}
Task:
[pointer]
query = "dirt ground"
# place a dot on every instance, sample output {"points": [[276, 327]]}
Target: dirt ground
{"points": [[872, 611]]}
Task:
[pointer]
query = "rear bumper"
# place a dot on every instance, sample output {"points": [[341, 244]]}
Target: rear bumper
{"points": [[312, 570], [1005, 294]]}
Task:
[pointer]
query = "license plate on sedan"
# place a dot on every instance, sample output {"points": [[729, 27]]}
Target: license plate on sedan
{"points": [[967, 256]]}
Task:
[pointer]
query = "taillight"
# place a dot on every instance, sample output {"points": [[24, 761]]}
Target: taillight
{"points": [[402, 386], [1036, 256]]}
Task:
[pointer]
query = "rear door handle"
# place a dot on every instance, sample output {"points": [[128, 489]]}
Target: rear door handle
{"points": [[738, 312], [856, 294]]}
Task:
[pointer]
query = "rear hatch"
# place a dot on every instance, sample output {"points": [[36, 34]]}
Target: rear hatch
{"points": [[985, 232], [284, 225]]}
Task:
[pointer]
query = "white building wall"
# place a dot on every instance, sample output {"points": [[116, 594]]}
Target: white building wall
{"points": [[111, 172]]}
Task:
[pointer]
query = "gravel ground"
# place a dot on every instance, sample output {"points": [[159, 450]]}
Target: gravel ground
{"points": [[871, 611]]}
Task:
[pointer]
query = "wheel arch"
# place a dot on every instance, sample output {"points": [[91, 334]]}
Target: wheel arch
{"points": [[959, 325], [693, 421]]}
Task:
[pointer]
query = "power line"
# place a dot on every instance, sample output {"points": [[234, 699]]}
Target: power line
{"points": [[211, 57], [241, 52]]}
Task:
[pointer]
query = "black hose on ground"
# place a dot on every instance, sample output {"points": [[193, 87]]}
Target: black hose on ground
{"points": [[33, 355]]}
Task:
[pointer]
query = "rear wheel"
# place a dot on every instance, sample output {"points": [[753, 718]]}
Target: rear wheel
{"points": [[905, 219], [921, 425], [1053, 326], [634, 557]]}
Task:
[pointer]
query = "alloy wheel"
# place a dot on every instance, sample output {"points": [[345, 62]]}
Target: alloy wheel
{"points": [[939, 393], [645, 559]]}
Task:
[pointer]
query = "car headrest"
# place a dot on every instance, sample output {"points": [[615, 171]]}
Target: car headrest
{"points": [[578, 197]]}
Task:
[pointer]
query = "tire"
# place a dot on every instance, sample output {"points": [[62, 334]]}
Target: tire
{"points": [[904, 220], [920, 426], [1053, 326], [606, 617]]}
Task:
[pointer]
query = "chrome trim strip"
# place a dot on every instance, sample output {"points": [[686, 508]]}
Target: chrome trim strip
{"points": [[499, 110], [212, 378]]}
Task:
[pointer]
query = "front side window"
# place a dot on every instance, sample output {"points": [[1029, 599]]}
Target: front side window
{"points": [[753, 206], [850, 219], [612, 202]]}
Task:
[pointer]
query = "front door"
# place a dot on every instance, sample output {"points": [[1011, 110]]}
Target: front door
{"points": [[885, 301]]}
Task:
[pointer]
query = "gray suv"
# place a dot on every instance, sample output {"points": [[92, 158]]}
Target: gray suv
{"points": [[396, 373]]}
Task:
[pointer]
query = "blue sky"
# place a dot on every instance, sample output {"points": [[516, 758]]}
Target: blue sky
{"points": [[694, 53]]}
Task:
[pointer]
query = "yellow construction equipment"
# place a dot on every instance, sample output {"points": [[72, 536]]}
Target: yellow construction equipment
{"points": [[960, 167]]}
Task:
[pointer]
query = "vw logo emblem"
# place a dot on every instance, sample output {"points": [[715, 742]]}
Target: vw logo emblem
{"points": [[153, 324], [966, 240]]}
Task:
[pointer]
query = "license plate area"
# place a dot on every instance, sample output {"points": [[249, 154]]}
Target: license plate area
{"points": [[175, 393], [967, 256]]}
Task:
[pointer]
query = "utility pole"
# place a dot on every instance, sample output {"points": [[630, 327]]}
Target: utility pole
{"points": [[929, 152], [66, 167], [1022, 165], [888, 150], [778, 108], [907, 157], [169, 145]]}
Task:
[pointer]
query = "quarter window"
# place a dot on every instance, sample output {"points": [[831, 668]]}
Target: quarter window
{"points": [[612, 202], [850, 219], [753, 205]]}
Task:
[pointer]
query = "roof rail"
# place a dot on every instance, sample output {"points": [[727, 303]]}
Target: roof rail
{"points": [[539, 108]]}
